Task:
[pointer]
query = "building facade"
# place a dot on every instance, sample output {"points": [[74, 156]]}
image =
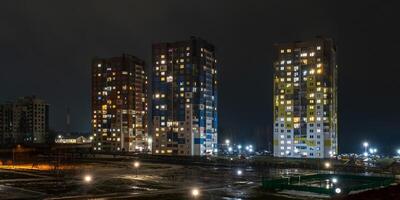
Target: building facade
{"points": [[184, 98], [305, 99], [119, 104], [24, 121]]}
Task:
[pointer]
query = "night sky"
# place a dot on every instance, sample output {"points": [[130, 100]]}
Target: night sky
{"points": [[46, 49]]}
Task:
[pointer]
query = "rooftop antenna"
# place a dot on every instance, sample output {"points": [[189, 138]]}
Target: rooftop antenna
{"points": [[68, 122]]}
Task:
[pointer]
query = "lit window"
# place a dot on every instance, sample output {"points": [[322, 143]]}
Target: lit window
{"points": [[169, 79]]}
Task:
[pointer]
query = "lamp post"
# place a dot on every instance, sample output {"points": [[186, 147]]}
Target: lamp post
{"points": [[365, 144], [87, 178], [136, 164], [195, 192]]}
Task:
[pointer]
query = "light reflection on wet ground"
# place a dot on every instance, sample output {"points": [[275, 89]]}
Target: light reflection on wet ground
{"points": [[116, 180]]}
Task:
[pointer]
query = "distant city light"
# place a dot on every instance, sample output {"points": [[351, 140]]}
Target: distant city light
{"points": [[230, 149], [398, 151], [371, 150], [239, 146], [239, 172], [338, 190], [365, 154], [227, 142]]}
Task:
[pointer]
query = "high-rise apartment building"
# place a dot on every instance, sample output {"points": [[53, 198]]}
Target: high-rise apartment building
{"points": [[305, 99], [24, 121], [119, 104], [184, 99]]}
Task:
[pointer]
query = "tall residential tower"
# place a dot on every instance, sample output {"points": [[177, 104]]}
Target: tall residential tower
{"points": [[119, 104], [305, 99], [24, 121], [184, 109]]}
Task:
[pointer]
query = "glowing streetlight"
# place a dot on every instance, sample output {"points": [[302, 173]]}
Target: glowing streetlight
{"points": [[239, 172], [334, 180], [327, 165], [239, 146], [365, 144], [230, 149], [338, 190], [136, 164], [87, 178], [227, 142], [195, 192], [398, 151]]}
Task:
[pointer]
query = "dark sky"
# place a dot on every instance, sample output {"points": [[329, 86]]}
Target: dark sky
{"points": [[46, 49]]}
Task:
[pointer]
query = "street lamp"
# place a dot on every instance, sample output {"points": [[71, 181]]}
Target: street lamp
{"points": [[365, 144], [136, 164], [227, 142], [334, 180], [338, 190], [195, 192], [87, 178], [239, 172], [327, 165]]}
